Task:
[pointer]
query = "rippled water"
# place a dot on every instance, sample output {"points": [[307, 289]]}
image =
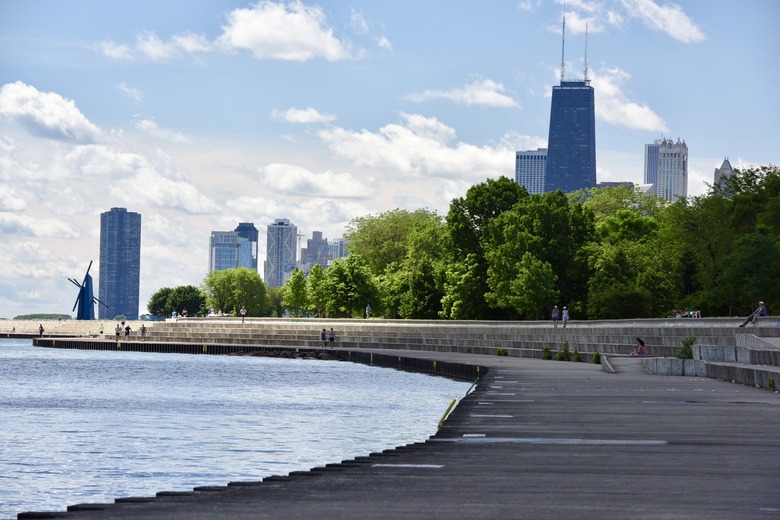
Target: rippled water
{"points": [[90, 426]]}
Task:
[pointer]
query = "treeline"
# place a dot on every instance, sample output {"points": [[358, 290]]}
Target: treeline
{"points": [[501, 253]]}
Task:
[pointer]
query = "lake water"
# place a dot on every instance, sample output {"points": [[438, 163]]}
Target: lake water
{"points": [[91, 426]]}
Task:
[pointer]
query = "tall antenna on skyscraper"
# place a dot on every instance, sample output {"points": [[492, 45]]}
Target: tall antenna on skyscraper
{"points": [[586, 53], [563, 41]]}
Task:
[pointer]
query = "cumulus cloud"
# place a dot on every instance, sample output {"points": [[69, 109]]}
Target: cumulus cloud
{"points": [[419, 147], [295, 180], [115, 51], [302, 115], [613, 107], [10, 199], [46, 114], [150, 127], [25, 225], [483, 92], [284, 31], [667, 18]]}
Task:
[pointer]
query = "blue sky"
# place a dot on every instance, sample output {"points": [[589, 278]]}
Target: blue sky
{"points": [[200, 115]]}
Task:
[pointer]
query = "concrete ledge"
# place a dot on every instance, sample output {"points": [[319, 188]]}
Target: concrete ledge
{"points": [[675, 367]]}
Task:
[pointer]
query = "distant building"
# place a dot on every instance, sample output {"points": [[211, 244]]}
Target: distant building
{"points": [[724, 172], [317, 251], [530, 169], [614, 184], [228, 250], [281, 252], [120, 264], [248, 231], [666, 168], [338, 248]]}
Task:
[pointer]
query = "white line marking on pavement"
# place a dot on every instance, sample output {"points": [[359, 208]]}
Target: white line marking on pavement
{"points": [[434, 466]]}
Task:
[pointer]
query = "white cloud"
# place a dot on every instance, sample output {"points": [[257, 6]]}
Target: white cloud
{"points": [[190, 42], [304, 115], [151, 128], [358, 22], [46, 114], [10, 199], [668, 18], [131, 92], [115, 51], [484, 92], [613, 107], [295, 180], [383, 43], [25, 225], [284, 31], [151, 46], [419, 148]]}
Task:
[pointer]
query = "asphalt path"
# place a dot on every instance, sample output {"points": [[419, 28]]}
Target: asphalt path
{"points": [[534, 440]]}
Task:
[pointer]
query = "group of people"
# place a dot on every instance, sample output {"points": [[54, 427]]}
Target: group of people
{"points": [[560, 315], [118, 330], [327, 338]]}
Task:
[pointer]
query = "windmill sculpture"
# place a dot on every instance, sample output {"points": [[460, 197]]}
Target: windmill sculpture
{"points": [[86, 299]]}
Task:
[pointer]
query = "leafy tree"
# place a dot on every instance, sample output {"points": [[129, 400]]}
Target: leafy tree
{"points": [[382, 239], [275, 301], [350, 287], [533, 288], [316, 292], [294, 295], [230, 289], [158, 302], [187, 297]]}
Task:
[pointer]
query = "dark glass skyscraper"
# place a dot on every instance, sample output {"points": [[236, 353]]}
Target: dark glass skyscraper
{"points": [[249, 231], [120, 263], [571, 146]]}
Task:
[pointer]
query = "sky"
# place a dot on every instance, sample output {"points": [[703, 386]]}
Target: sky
{"points": [[202, 114]]}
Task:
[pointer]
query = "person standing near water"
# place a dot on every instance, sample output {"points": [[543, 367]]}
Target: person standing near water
{"points": [[40, 330]]}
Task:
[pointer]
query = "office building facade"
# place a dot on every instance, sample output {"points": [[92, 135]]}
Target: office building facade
{"points": [[724, 172], [248, 231], [571, 144], [666, 168], [120, 264], [317, 251], [227, 250], [281, 252], [530, 169]]}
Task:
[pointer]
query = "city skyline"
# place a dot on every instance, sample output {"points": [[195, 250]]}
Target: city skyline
{"points": [[200, 115]]}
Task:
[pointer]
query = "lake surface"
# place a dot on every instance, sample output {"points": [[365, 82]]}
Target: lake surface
{"points": [[91, 426]]}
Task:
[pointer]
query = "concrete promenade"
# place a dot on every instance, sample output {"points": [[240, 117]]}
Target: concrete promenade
{"points": [[534, 440]]}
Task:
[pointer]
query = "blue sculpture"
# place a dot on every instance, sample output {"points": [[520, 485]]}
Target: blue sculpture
{"points": [[86, 299]]}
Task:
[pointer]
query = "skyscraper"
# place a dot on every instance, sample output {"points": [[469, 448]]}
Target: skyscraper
{"points": [[666, 168], [248, 231], [571, 145], [120, 263], [281, 252], [315, 252], [530, 169], [724, 172], [227, 250]]}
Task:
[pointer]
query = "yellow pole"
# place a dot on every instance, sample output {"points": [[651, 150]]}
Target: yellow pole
{"points": [[441, 421]]}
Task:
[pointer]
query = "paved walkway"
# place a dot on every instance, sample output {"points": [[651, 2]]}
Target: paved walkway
{"points": [[536, 440]]}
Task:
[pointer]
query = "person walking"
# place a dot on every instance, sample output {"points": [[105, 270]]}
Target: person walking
{"points": [[127, 331], [555, 315], [143, 332], [40, 330], [759, 312], [565, 316], [368, 311], [117, 330], [243, 313], [324, 338], [331, 337]]}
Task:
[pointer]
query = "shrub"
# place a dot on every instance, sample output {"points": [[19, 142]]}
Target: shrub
{"points": [[686, 352], [596, 358], [576, 357], [563, 354], [546, 352], [502, 352], [770, 383]]}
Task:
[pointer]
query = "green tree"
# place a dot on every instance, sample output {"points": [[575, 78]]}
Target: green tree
{"points": [[275, 301], [294, 297], [187, 297], [533, 288], [158, 303], [350, 287], [316, 292], [466, 274], [230, 289]]}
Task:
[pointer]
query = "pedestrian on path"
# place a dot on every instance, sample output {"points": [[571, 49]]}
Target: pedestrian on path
{"points": [[555, 316], [143, 332], [331, 337], [324, 338], [565, 316], [40, 330], [243, 313]]}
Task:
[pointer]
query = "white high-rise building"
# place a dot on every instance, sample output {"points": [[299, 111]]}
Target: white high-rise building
{"points": [[227, 250], [530, 169], [724, 172], [281, 252], [666, 168]]}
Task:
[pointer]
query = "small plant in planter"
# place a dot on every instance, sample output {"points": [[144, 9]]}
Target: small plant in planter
{"points": [[596, 358], [563, 354], [576, 357], [502, 352], [686, 351], [546, 352], [770, 383]]}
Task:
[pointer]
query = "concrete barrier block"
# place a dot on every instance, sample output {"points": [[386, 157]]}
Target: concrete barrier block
{"points": [[694, 368], [676, 367], [663, 366]]}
